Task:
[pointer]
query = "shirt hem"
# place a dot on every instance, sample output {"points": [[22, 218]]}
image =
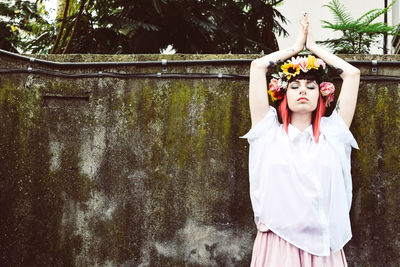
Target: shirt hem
{"points": [[338, 249], [323, 254]]}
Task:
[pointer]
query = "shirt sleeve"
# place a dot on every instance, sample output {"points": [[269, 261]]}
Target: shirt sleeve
{"points": [[264, 126], [337, 132], [335, 126]]}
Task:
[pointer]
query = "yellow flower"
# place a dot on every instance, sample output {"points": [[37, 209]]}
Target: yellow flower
{"points": [[311, 62], [290, 69], [14, 28], [41, 8], [275, 95], [272, 94]]}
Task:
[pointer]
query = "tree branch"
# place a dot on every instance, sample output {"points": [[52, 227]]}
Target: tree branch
{"points": [[53, 50], [78, 17]]}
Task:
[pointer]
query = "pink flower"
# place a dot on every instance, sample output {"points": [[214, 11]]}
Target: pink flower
{"points": [[274, 85], [329, 99], [295, 60], [303, 63], [320, 62], [327, 88]]}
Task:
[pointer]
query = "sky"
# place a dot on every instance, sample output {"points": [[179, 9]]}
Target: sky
{"points": [[51, 7]]}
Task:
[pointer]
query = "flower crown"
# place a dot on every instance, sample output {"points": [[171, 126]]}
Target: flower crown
{"points": [[291, 68]]}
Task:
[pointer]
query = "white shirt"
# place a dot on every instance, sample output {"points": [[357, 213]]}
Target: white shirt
{"points": [[299, 189]]}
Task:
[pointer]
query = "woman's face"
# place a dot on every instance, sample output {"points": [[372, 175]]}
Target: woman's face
{"points": [[302, 96]]}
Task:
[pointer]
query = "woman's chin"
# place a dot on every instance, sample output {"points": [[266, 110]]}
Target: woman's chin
{"points": [[302, 108]]}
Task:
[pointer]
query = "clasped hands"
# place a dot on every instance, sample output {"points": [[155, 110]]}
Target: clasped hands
{"points": [[305, 37]]}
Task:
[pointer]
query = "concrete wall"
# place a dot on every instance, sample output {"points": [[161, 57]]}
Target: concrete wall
{"points": [[151, 172]]}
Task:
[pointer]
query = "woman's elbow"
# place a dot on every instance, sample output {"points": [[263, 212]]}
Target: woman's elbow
{"points": [[257, 64], [351, 73], [355, 72]]}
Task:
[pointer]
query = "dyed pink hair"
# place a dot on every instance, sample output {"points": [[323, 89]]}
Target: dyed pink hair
{"points": [[284, 112]]}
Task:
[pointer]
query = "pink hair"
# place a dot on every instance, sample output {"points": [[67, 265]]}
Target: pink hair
{"points": [[284, 112]]}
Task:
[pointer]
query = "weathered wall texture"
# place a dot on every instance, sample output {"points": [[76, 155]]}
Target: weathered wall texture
{"points": [[151, 172]]}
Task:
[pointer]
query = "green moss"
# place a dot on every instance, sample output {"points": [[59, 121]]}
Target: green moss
{"points": [[177, 124], [32, 196], [171, 152], [60, 87], [69, 178], [375, 168], [120, 239]]}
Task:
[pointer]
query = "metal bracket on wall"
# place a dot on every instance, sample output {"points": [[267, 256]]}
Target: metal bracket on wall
{"points": [[164, 64], [374, 69]]}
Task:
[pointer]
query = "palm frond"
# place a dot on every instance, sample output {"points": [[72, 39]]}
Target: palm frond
{"points": [[370, 18], [358, 35], [395, 30], [278, 29], [339, 11], [157, 6], [367, 14], [122, 21], [376, 28], [351, 26], [277, 26], [329, 25]]}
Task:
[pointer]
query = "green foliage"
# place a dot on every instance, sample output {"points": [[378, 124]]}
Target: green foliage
{"points": [[143, 26], [358, 35], [24, 27]]}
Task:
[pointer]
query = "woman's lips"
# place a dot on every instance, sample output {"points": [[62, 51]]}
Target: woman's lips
{"points": [[302, 99]]}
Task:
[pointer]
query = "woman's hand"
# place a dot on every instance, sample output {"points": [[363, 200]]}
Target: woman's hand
{"points": [[302, 35], [310, 43]]}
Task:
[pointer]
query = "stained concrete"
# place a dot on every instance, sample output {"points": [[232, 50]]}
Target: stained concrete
{"points": [[151, 172]]}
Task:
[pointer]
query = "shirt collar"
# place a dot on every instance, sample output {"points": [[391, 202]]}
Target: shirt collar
{"points": [[293, 132]]}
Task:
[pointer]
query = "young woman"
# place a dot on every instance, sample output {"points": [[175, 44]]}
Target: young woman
{"points": [[300, 180]]}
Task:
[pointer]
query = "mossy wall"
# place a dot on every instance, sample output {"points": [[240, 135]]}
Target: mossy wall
{"points": [[151, 172]]}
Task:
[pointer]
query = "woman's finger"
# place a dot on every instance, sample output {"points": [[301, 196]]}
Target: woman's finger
{"points": [[304, 20]]}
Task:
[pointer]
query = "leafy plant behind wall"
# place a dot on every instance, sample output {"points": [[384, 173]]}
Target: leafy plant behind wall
{"points": [[23, 25], [142, 26], [358, 35]]}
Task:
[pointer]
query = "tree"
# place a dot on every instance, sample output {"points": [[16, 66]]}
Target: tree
{"points": [[65, 7], [148, 26], [358, 35], [22, 24]]}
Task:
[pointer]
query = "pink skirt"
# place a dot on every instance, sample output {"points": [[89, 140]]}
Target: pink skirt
{"points": [[269, 250]]}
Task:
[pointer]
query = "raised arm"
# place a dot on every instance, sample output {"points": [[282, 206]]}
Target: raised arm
{"points": [[346, 103], [258, 96]]}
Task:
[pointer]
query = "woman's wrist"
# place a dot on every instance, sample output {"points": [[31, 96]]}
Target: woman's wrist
{"points": [[297, 49], [314, 48]]}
